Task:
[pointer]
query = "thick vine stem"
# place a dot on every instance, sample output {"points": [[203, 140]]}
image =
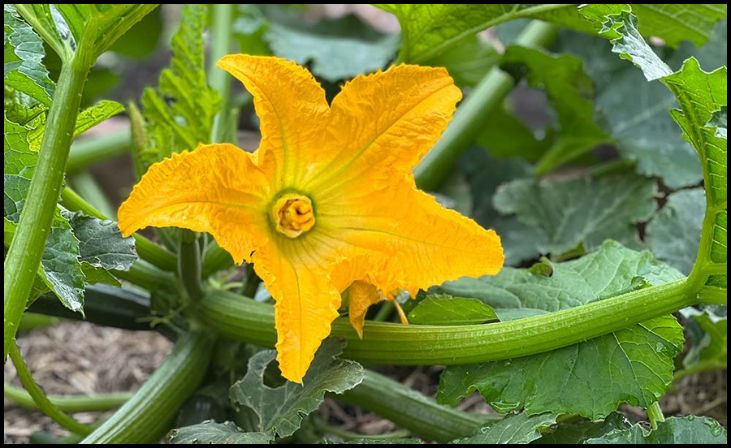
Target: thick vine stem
{"points": [[146, 416], [87, 151], [39, 397], [411, 410], [189, 264], [243, 319], [24, 255]]}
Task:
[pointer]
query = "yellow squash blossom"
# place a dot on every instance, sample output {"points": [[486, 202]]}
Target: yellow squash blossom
{"points": [[328, 202]]}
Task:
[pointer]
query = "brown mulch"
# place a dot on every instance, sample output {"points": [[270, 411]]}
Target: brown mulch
{"points": [[74, 358]]}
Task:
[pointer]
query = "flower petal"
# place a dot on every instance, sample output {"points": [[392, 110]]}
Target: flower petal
{"points": [[215, 189], [306, 303], [361, 295], [418, 242], [386, 122], [292, 108]]}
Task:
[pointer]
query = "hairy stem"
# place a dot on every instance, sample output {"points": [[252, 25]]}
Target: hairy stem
{"points": [[385, 343], [24, 255]]}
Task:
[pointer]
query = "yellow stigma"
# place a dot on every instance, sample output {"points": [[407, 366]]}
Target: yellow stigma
{"points": [[292, 215]]}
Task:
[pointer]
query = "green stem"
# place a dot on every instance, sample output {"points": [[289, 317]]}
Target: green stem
{"points": [[348, 435], [221, 28], [146, 416], [471, 115], [146, 249], [189, 264], [655, 415], [88, 151], [252, 282], [384, 312], [411, 410], [24, 255], [702, 366], [69, 403], [90, 189], [386, 343], [33, 321], [40, 399], [145, 275]]}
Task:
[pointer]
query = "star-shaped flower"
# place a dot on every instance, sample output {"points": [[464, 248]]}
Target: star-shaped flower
{"points": [[327, 204]]}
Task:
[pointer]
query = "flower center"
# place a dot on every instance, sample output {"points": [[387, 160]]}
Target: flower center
{"points": [[293, 215]]}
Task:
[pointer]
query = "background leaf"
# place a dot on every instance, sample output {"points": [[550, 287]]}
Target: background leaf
{"points": [[210, 432], [566, 214], [673, 234], [280, 410], [441, 309], [513, 429]]}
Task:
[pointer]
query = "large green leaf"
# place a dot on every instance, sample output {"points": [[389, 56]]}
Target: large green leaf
{"points": [[23, 65], [468, 61], [569, 90], [702, 118], [332, 58], [90, 29], [210, 432], [179, 114], [513, 429], [101, 244], [674, 232], [428, 30], [688, 430], [639, 358], [440, 309], [281, 410], [504, 135], [585, 212]]}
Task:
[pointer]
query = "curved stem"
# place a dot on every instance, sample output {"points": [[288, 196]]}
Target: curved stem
{"points": [[24, 255], [411, 410], [467, 123], [221, 28], [146, 249], [90, 189], [385, 343], [40, 399], [146, 416], [655, 415], [69, 403]]}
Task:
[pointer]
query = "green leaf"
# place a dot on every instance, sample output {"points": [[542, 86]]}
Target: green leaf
{"points": [[280, 410], [332, 58], [690, 430], [90, 29], [101, 244], [468, 61], [513, 429], [179, 115], [673, 234], [24, 69], [575, 431], [579, 211], [19, 159], [573, 379], [505, 136], [142, 39], [210, 432], [569, 90], [429, 30], [448, 310], [87, 119], [708, 332]]}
